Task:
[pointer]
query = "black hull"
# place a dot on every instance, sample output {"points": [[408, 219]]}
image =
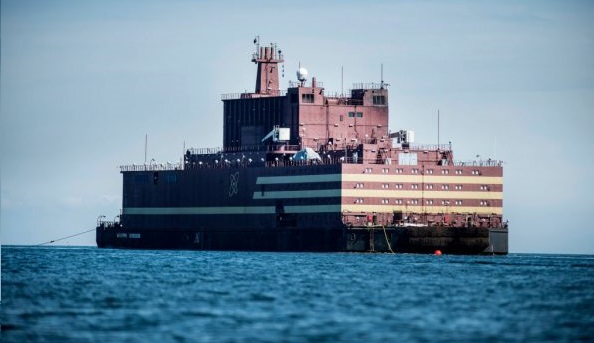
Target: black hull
{"points": [[469, 241]]}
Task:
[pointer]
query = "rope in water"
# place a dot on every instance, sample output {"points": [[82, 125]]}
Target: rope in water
{"points": [[387, 240], [63, 238]]}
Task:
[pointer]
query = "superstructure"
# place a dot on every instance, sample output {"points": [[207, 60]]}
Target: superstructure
{"points": [[302, 170]]}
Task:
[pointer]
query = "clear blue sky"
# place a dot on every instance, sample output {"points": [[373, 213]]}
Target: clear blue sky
{"points": [[82, 82]]}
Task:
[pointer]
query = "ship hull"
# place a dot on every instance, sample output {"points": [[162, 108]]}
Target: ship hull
{"points": [[344, 239], [284, 208]]}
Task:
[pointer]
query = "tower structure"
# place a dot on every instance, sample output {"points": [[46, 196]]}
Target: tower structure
{"points": [[267, 58]]}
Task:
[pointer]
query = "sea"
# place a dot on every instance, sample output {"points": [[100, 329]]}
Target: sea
{"points": [[86, 294]]}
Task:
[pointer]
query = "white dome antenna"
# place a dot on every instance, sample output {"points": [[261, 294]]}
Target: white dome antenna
{"points": [[301, 74]]}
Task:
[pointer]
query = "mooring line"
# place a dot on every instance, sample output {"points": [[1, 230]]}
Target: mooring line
{"points": [[387, 241], [60, 239]]}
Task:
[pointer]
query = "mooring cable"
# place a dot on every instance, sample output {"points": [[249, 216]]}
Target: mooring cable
{"points": [[63, 238], [387, 240]]}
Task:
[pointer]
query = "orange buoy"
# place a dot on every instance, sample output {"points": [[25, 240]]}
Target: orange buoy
{"points": [[437, 253]]}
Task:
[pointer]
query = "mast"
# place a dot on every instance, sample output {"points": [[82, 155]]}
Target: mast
{"points": [[438, 129], [267, 58]]}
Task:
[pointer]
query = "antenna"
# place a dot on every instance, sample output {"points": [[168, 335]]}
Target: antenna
{"points": [[145, 144], [257, 43], [341, 80], [382, 76], [438, 129]]}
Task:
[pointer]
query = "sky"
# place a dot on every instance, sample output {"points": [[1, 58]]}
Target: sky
{"points": [[83, 82]]}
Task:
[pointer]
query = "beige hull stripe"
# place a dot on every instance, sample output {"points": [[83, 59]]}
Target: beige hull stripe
{"points": [[452, 179]]}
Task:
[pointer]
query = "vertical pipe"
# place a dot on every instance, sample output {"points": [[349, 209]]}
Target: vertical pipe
{"points": [[438, 129], [145, 146], [341, 81]]}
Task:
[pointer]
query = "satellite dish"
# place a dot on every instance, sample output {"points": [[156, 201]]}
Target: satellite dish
{"points": [[301, 74]]}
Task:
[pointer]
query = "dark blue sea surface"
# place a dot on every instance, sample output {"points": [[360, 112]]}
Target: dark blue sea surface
{"points": [[102, 295]]}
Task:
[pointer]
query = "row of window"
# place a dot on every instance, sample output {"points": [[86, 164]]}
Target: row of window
{"points": [[379, 99], [427, 202], [307, 98], [427, 186], [443, 171], [355, 114], [427, 171]]}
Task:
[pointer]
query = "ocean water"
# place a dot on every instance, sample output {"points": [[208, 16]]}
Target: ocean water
{"points": [[55, 294]]}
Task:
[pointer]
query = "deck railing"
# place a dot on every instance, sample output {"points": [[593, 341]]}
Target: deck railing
{"points": [[215, 163], [369, 85], [479, 163], [248, 95], [152, 167], [243, 148]]}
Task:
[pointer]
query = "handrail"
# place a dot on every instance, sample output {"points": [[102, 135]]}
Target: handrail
{"points": [[151, 167], [429, 147], [296, 84], [243, 148], [479, 163], [248, 95], [369, 85], [215, 163]]}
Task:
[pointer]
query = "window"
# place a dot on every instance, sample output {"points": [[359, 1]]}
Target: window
{"points": [[415, 171], [414, 186], [429, 186], [385, 170], [484, 188], [398, 186], [368, 170], [359, 201], [359, 185], [399, 171], [414, 201], [458, 187], [398, 201], [459, 172], [356, 114], [385, 201], [445, 171], [341, 117], [445, 187], [429, 202], [307, 98], [379, 99], [429, 171], [458, 202]]}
